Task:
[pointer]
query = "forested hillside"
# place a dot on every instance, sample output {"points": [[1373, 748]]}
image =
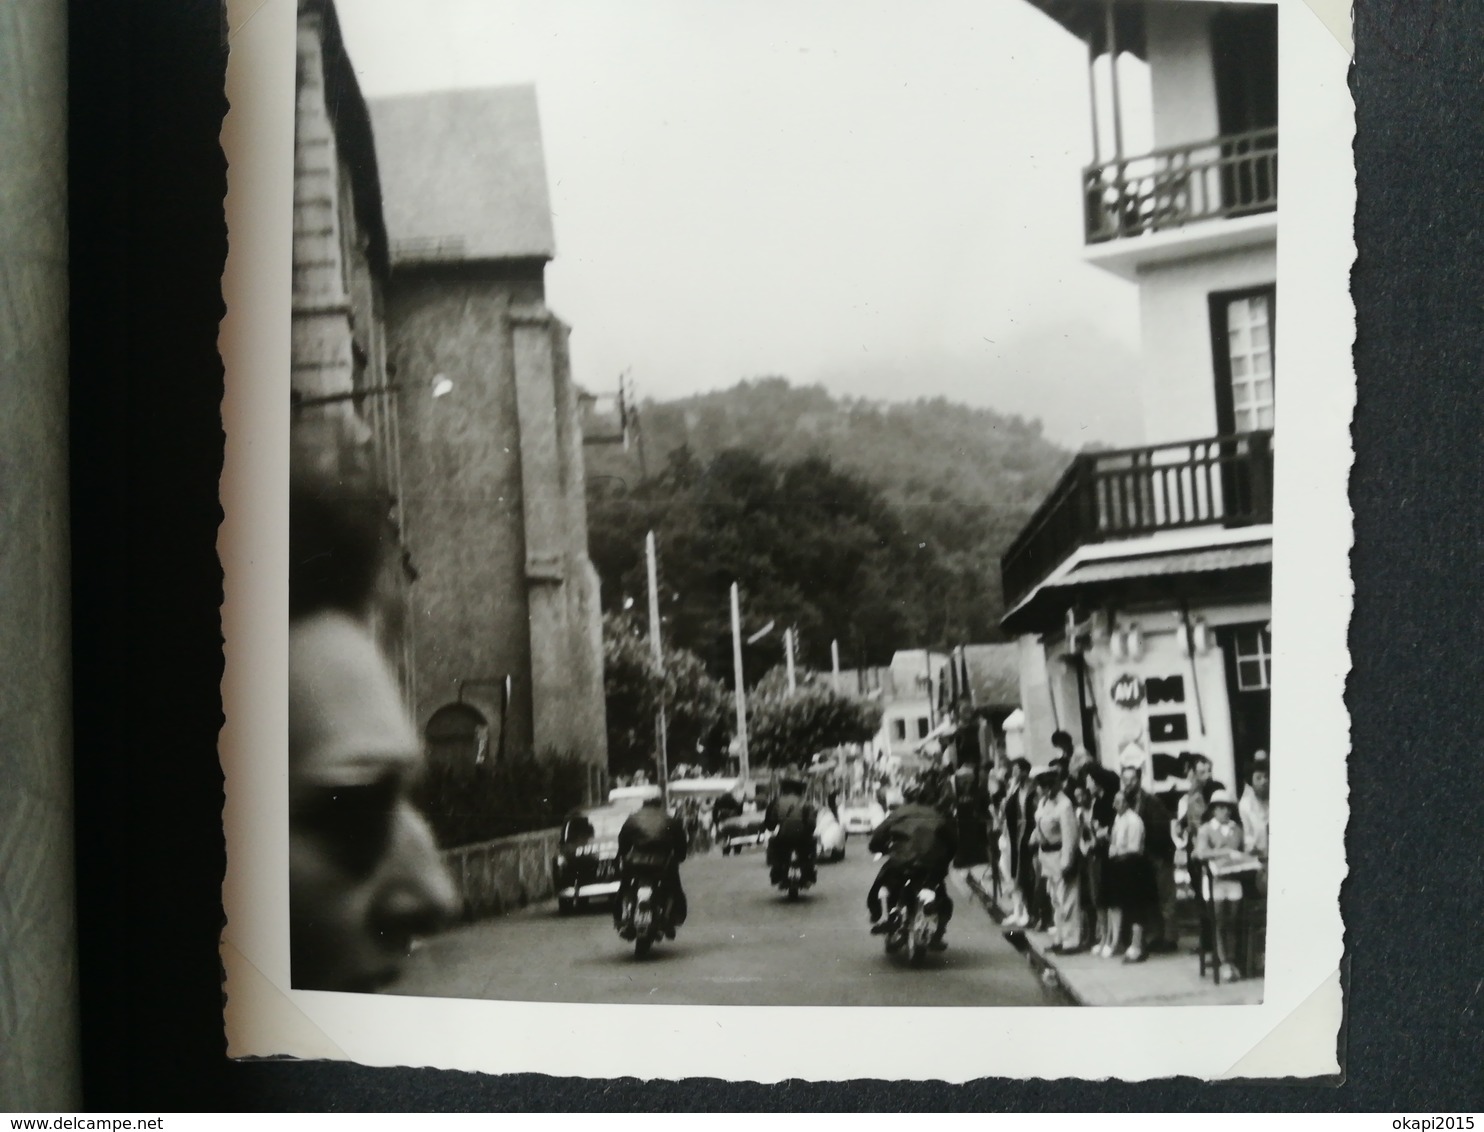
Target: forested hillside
{"points": [[880, 525]]}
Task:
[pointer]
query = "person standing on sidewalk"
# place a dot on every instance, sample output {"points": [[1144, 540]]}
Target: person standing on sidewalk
{"points": [[1018, 821], [1159, 845], [970, 813], [1253, 808], [1219, 841], [1058, 835], [1129, 883]]}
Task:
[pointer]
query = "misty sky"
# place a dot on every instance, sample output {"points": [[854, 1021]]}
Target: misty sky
{"points": [[883, 197]]}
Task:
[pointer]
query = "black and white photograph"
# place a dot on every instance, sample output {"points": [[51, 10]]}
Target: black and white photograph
{"points": [[765, 505]]}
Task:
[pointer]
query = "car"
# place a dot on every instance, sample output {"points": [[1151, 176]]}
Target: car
{"points": [[633, 796], [861, 815], [829, 836], [746, 828], [586, 862]]}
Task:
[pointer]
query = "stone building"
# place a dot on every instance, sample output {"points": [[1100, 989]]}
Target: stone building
{"points": [[426, 365], [505, 621], [343, 417]]}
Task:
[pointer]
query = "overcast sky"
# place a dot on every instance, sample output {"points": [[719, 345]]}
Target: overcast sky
{"points": [[880, 196]]}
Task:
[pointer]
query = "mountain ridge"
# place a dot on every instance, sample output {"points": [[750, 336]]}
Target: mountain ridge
{"points": [[960, 481]]}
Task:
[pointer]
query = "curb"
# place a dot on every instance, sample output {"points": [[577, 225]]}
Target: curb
{"points": [[1039, 961]]}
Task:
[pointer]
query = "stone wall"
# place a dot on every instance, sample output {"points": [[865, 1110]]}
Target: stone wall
{"points": [[495, 877], [461, 466], [496, 507]]}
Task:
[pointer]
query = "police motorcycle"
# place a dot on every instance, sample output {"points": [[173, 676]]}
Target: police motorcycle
{"points": [[645, 901], [797, 877], [913, 918], [797, 873]]}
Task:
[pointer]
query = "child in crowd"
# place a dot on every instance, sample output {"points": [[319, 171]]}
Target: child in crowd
{"points": [[1218, 841]]}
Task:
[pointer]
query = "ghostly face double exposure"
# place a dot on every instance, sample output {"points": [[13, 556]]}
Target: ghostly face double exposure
{"points": [[364, 874]]}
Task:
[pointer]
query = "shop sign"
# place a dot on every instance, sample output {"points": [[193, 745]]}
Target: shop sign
{"points": [[1127, 691]]}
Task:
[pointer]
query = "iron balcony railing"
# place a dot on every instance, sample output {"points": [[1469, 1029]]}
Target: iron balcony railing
{"points": [[1103, 496], [1227, 176]]}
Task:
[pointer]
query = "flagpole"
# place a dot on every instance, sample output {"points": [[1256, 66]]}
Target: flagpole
{"points": [[652, 561], [741, 692]]}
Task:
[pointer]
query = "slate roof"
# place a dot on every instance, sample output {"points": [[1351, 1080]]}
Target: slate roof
{"points": [[463, 176]]}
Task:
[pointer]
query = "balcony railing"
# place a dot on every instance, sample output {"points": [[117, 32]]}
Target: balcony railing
{"points": [[1103, 496], [1227, 176]]}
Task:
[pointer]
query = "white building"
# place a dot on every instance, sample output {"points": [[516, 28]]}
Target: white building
{"points": [[918, 689], [907, 692], [1140, 591]]}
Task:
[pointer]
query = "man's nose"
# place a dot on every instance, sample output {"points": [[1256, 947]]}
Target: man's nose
{"points": [[418, 895]]}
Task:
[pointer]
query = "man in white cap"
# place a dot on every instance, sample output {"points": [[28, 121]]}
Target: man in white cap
{"points": [[1057, 843]]}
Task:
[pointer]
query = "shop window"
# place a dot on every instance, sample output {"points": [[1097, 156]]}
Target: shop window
{"points": [[1253, 645]]}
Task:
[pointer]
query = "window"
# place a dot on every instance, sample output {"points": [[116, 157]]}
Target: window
{"points": [[922, 727], [899, 730], [1243, 348], [1253, 645], [1250, 351]]}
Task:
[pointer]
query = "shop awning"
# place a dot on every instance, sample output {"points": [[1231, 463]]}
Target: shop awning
{"points": [[1205, 568], [1152, 566]]}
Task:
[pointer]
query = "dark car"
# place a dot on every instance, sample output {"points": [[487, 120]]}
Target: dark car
{"points": [[586, 863]]}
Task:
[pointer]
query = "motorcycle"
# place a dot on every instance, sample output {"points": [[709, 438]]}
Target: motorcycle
{"points": [[913, 920], [644, 913], [796, 878]]}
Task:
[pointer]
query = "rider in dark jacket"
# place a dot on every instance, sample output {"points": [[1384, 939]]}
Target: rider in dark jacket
{"points": [[791, 820], [917, 840], [651, 838]]}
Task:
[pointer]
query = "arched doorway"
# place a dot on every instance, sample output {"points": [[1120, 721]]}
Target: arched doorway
{"points": [[458, 735]]}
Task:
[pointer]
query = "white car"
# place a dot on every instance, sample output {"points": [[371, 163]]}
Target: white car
{"points": [[862, 815], [829, 837]]}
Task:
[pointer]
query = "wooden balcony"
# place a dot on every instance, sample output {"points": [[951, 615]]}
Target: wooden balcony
{"points": [[1224, 481], [1235, 175]]}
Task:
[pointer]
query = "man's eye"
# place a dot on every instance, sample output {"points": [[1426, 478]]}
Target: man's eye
{"points": [[353, 823]]}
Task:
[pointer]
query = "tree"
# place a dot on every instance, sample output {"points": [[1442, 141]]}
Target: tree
{"points": [[697, 707], [790, 727], [949, 488]]}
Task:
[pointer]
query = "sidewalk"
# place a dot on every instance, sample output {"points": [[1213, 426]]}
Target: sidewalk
{"points": [[1161, 980]]}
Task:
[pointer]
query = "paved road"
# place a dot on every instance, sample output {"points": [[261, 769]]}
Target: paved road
{"points": [[743, 945]]}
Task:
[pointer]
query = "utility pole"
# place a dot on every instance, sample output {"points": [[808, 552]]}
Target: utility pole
{"points": [[657, 652], [835, 664], [741, 691], [788, 653], [932, 712]]}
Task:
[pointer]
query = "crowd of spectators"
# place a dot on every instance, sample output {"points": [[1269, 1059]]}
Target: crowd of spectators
{"points": [[1093, 857]]}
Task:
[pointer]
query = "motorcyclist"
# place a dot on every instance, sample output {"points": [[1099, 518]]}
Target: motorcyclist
{"points": [[918, 841], [791, 820], [654, 841]]}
